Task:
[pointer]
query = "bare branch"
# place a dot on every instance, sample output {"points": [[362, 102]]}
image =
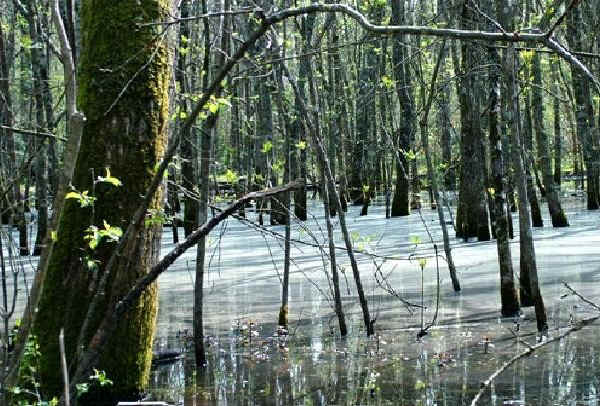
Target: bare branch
{"points": [[34, 133], [573, 291], [550, 32]]}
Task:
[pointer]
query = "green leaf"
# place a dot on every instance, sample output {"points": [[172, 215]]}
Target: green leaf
{"points": [[110, 179], [267, 147], [231, 176], [73, 195], [82, 388], [415, 239], [213, 107]]}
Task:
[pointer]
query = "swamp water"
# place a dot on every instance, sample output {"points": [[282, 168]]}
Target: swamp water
{"points": [[253, 362]]}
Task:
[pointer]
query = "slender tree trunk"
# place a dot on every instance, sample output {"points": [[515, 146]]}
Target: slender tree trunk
{"points": [[204, 177], [557, 214], [530, 288], [508, 293], [206, 146], [299, 157], [41, 174], [432, 176], [527, 142], [555, 88], [6, 118], [188, 148], [341, 117], [400, 202]]}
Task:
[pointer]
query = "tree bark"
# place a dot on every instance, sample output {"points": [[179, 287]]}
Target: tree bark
{"points": [[557, 214], [126, 132], [431, 171], [400, 202], [530, 289], [471, 216], [585, 115], [508, 293]]}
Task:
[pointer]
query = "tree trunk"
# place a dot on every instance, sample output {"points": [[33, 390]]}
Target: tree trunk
{"points": [[557, 214], [432, 176], [189, 150], [530, 289], [400, 202], [585, 115], [126, 132], [527, 142], [471, 216], [555, 88], [508, 293]]}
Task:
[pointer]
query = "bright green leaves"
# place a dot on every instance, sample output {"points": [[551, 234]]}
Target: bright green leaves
{"points": [[409, 155], [155, 217], [301, 145], [94, 235], [278, 166], [99, 378], [387, 82], [415, 239], [109, 179], [267, 147], [231, 176], [420, 385], [85, 200]]}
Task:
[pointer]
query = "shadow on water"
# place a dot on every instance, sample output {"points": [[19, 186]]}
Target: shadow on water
{"points": [[251, 364]]}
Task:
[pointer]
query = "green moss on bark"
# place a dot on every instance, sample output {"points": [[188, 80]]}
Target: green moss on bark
{"points": [[123, 91]]}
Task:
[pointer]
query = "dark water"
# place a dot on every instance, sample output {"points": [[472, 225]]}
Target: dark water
{"points": [[250, 364]]}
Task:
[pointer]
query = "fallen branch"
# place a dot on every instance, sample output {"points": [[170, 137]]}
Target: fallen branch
{"points": [[484, 385], [577, 326]]}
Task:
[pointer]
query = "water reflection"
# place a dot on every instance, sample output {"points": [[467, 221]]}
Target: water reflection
{"points": [[445, 369], [252, 365]]}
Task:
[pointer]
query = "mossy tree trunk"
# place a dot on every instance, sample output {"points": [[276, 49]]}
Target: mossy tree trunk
{"points": [[124, 74]]}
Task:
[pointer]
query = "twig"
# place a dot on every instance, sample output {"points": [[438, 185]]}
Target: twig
{"points": [[573, 291], [560, 19], [29, 132], [178, 20]]}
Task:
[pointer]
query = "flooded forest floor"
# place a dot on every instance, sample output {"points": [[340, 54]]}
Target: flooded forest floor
{"points": [[252, 364]]}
